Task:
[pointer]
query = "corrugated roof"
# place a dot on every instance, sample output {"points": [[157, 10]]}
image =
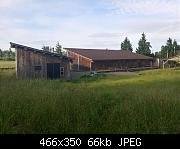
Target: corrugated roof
{"points": [[104, 54], [14, 45]]}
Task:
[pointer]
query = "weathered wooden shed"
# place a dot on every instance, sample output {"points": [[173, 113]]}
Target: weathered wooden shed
{"points": [[32, 63], [107, 60]]}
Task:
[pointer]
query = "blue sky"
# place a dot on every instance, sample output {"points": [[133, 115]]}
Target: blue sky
{"points": [[88, 23]]}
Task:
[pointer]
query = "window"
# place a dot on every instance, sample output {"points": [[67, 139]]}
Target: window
{"points": [[62, 71], [37, 68]]}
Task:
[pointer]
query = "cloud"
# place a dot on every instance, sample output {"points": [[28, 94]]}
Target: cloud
{"points": [[98, 24], [146, 7], [105, 35], [153, 25], [5, 3]]}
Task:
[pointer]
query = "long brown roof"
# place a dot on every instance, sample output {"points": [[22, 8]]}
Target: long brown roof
{"points": [[104, 54]]}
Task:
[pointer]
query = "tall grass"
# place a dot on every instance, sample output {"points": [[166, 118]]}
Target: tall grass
{"points": [[146, 103]]}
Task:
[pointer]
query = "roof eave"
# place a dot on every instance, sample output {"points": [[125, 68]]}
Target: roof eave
{"points": [[14, 45]]}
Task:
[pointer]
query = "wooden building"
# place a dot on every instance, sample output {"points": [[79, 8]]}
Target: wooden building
{"points": [[107, 60], [37, 64]]}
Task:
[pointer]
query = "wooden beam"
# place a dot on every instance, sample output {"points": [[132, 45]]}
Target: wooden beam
{"points": [[16, 59], [78, 62], [90, 66]]}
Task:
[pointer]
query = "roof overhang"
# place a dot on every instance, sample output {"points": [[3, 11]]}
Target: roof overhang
{"points": [[26, 48], [176, 59]]}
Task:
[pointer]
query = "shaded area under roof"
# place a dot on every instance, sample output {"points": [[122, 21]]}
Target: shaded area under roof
{"points": [[104, 54], [14, 45]]}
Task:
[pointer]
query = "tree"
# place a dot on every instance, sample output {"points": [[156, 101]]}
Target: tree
{"points": [[170, 49], [7, 54], [157, 54], [176, 47], [126, 45], [1, 54], [46, 48], [143, 46], [163, 52], [58, 48], [178, 50]]}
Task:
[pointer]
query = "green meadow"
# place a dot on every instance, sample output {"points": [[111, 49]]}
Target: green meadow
{"points": [[148, 102]]}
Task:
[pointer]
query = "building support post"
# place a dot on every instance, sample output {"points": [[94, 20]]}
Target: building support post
{"points": [[158, 62], [90, 66], [16, 59], [78, 62]]}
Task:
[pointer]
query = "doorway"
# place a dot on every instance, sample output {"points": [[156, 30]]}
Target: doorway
{"points": [[53, 70]]}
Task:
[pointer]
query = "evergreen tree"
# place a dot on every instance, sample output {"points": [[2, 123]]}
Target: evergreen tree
{"points": [[46, 48], [126, 45], [170, 49], [176, 48], [143, 46], [58, 48], [1, 54], [163, 52]]}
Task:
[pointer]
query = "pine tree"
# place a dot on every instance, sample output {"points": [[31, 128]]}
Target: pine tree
{"points": [[58, 48], [1, 54], [143, 46], [46, 48], [176, 47], [170, 49], [126, 45]]}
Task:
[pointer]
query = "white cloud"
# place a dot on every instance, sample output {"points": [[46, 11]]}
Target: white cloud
{"points": [[74, 24], [9, 3], [5, 3], [147, 7], [105, 35]]}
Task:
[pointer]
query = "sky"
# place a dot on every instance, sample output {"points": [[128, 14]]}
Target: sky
{"points": [[88, 23]]}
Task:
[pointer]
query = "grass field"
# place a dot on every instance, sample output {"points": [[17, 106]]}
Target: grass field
{"points": [[7, 64], [145, 103]]}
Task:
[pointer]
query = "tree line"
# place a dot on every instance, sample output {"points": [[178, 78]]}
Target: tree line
{"points": [[57, 49], [7, 55], [144, 47], [169, 50]]}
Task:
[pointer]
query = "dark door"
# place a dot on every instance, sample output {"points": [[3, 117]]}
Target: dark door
{"points": [[53, 71]]}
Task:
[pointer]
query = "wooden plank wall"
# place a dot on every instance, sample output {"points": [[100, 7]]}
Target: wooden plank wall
{"points": [[27, 60], [120, 64], [86, 64]]}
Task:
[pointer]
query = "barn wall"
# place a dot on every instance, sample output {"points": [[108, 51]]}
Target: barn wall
{"points": [[28, 60], [120, 64], [85, 64]]}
